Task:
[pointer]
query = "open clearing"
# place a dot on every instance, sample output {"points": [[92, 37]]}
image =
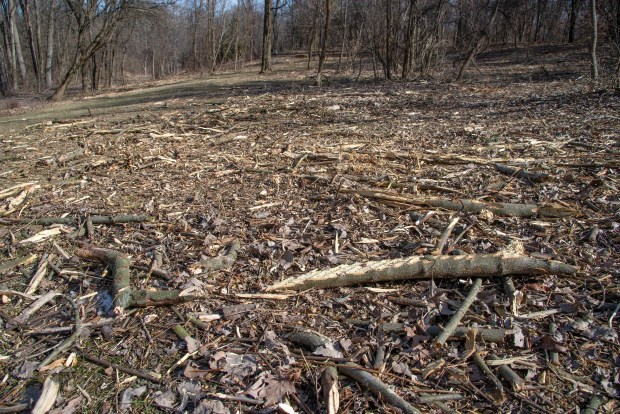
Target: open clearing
{"points": [[310, 178]]}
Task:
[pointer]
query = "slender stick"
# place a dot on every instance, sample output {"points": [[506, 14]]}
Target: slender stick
{"points": [[490, 375], [459, 314], [71, 339], [444, 236]]}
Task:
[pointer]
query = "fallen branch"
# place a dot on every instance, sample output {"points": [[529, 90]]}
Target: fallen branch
{"points": [[520, 173], [313, 340], [39, 274], [377, 387], [107, 364], [8, 292], [124, 297], [67, 343], [425, 267], [515, 381], [458, 315], [444, 236], [222, 262], [119, 268], [34, 306], [5, 267], [471, 206], [46, 221], [479, 361], [496, 335]]}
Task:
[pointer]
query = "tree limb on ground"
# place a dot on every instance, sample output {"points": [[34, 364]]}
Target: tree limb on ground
{"points": [[425, 267], [314, 340], [471, 206], [124, 297], [46, 221], [520, 173], [221, 262]]}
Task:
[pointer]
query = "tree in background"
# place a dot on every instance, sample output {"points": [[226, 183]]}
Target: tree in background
{"points": [[267, 37], [95, 44]]}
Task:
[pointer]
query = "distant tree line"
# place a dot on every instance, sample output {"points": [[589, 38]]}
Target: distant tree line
{"points": [[49, 45]]}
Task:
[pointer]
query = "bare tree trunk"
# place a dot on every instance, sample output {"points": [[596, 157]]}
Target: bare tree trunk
{"points": [[572, 20], [49, 53], [344, 35], [66, 81], [483, 36], [84, 76], [541, 5], [5, 85], [267, 38], [594, 64], [408, 60], [16, 43], [324, 45], [388, 39], [32, 46], [194, 41]]}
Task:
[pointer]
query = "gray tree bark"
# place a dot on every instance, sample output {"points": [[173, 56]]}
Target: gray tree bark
{"points": [[593, 63], [49, 52], [267, 38]]}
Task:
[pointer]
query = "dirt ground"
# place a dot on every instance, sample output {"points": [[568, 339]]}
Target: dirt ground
{"points": [[307, 178]]}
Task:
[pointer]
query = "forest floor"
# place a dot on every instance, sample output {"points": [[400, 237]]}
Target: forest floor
{"points": [[221, 187]]}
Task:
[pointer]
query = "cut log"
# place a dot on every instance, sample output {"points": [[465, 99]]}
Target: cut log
{"points": [[471, 206], [425, 267]]}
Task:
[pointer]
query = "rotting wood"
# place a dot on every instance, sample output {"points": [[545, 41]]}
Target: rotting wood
{"points": [[47, 399], [459, 314], [46, 221], [425, 267], [471, 206], [520, 173]]}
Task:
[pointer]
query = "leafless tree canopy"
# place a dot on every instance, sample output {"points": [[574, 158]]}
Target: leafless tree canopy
{"points": [[54, 44]]}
